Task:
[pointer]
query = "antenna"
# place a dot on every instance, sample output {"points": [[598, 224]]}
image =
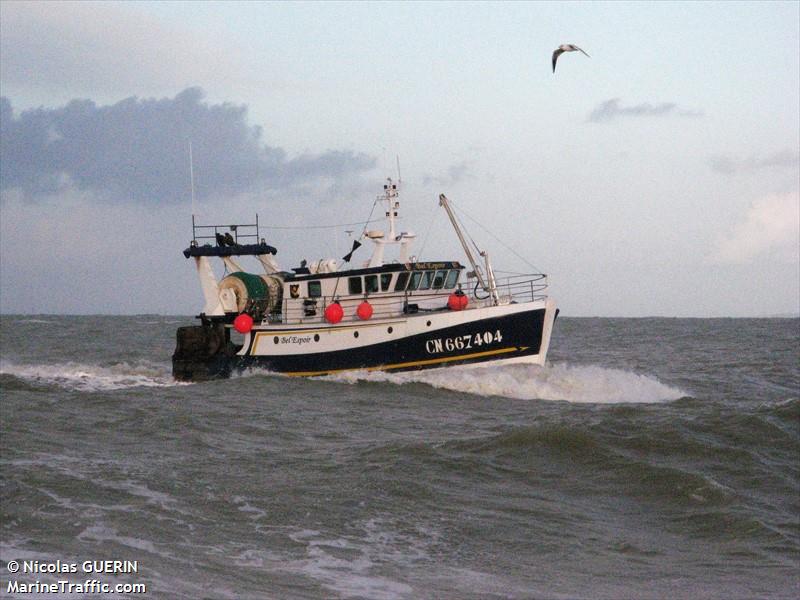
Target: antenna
{"points": [[399, 177], [191, 176]]}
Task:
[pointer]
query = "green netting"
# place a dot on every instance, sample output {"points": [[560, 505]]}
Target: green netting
{"points": [[256, 287]]}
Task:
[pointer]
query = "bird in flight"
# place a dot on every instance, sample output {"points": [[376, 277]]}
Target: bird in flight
{"points": [[564, 48]]}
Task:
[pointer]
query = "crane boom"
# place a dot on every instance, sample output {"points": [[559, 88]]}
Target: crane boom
{"points": [[443, 201]]}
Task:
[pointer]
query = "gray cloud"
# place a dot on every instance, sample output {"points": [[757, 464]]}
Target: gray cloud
{"points": [[729, 165], [453, 175], [612, 109], [136, 150]]}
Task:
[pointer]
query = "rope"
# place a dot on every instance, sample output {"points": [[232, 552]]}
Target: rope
{"points": [[474, 244], [365, 223], [501, 242], [431, 220], [363, 231], [369, 218]]}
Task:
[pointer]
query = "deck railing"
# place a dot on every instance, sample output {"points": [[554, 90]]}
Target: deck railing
{"points": [[247, 233], [523, 287], [514, 289]]}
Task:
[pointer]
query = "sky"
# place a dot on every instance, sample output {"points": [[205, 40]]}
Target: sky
{"points": [[658, 177]]}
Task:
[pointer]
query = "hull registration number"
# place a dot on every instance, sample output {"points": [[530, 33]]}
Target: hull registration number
{"points": [[462, 342]]}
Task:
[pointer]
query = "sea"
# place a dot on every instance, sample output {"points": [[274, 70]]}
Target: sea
{"points": [[650, 458]]}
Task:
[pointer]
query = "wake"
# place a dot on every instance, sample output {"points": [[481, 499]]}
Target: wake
{"points": [[92, 378], [580, 384]]}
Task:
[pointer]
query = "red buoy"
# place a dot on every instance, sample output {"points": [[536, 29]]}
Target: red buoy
{"points": [[243, 323], [457, 301], [364, 310], [334, 313]]}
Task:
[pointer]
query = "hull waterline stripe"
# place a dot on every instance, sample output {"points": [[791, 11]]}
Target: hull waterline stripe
{"points": [[415, 363]]}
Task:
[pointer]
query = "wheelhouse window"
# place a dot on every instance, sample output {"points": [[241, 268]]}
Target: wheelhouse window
{"points": [[386, 282], [402, 281], [371, 283], [438, 279], [427, 279], [415, 277], [452, 279], [314, 289], [354, 285]]}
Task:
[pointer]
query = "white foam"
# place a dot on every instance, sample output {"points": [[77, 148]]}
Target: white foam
{"points": [[243, 506], [161, 500], [93, 378], [85, 508], [582, 384], [100, 533], [350, 565]]}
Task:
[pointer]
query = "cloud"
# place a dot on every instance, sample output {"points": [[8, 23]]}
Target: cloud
{"points": [[452, 175], [728, 165], [612, 109], [137, 151], [770, 227]]}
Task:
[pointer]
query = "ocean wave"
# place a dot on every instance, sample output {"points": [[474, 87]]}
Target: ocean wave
{"points": [[88, 378], [555, 437], [788, 409], [603, 460], [581, 384]]}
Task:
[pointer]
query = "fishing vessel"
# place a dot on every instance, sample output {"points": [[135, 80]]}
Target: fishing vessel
{"points": [[329, 316]]}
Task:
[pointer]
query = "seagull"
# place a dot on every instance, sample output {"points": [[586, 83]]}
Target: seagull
{"points": [[564, 48]]}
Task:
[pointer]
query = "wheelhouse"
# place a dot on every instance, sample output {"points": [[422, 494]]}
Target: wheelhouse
{"points": [[389, 288]]}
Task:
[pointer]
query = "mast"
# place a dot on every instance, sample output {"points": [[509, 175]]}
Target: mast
{"points": [[191, 179], [381, 239]]}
